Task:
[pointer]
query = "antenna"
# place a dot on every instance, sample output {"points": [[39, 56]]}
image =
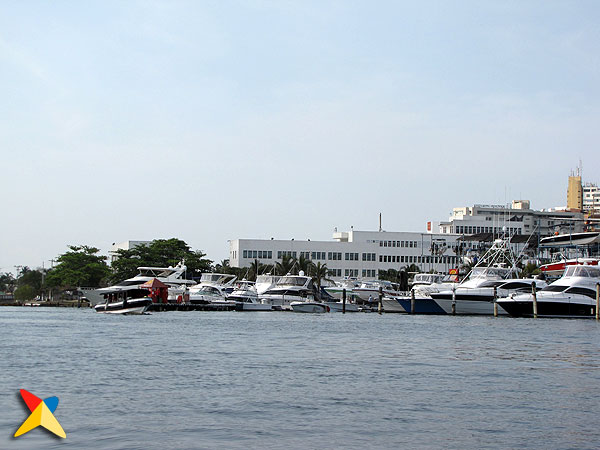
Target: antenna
{"points": [[380, 222]]}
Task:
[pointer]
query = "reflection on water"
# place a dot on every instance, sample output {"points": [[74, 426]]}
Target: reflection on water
{"points": [[284, 380]]}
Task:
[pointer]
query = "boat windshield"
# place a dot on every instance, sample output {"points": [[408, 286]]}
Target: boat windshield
{"points": [[555, 288], [292, 281], [489, 272], [582, 271]]}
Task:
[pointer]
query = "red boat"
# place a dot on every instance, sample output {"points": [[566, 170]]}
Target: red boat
{"points": [[556, 269]]}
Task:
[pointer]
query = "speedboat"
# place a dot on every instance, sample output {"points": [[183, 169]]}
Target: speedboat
{"points": [[214, 288], [125, 301], [173, 277], [572, 295], [246, 299], [571, 239], [309, 307], [288, 289]]}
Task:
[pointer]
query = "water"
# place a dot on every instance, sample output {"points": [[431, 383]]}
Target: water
{"points": [[285, 380]]}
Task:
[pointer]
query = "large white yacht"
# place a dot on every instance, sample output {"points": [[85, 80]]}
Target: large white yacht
{"points": [[213, 288], [173, 277], [572, 295], [493, 273], [265, 282], [288, 289]]}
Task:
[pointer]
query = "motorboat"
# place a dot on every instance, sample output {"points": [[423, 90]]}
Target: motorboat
{"points": [[335, 305], [571, 239], [491, 278], [214, 288], [556, 269], [369, 290], [348, 284], [309, 307], [288, 289], [423, 285], [132, 300], [173, 277], [265, 282], [246, 298], [571, 296]]}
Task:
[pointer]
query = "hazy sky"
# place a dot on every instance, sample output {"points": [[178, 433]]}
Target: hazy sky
{"points": [[217, 120]]}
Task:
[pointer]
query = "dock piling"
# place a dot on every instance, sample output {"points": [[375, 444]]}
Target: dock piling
{"points": [[380, 305], [412, 301], [454, 300], [535, 305], [344, 301], [597, 301], [495, 302]]}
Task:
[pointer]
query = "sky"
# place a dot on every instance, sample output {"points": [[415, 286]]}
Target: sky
{"points": [[209, 121]]}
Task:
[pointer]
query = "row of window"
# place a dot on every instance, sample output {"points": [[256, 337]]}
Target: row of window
{"points": [[258, 254], [424, 259], [460, 229], [401, 244], [337, 256]]}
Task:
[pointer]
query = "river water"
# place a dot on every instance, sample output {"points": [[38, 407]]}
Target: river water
{"points": [[284, 380]]}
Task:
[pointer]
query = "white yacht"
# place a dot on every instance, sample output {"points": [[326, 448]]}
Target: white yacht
{"points": [[288, 289], [348, 283], [368, 291], [265, 282], [475, 294], [572, 295], [173, 277], [213, 288], [246, 297]]}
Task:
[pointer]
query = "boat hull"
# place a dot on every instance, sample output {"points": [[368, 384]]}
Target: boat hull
{"points": [[138, 306], [567, 307], [469, 307], [309, 307], [422, 305], [339, 307]]}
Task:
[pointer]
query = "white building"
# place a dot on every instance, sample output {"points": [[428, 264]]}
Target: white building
{"points": [[591, 197], [519, 218], [127, 245], [355, 253]]}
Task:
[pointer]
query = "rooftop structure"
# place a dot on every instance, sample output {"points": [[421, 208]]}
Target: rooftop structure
{"points": [[516, 219]]}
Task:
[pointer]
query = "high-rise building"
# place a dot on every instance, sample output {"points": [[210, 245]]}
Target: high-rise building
{"points": [[575, 192], [591, 198]]}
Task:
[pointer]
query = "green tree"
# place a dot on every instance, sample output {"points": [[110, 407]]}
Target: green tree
{"points": [[530, 270], [319, 273], [78, 267], [25, 292], [284, 266], [7, 282], [159, 253], [304, 264], [30, 277]]}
